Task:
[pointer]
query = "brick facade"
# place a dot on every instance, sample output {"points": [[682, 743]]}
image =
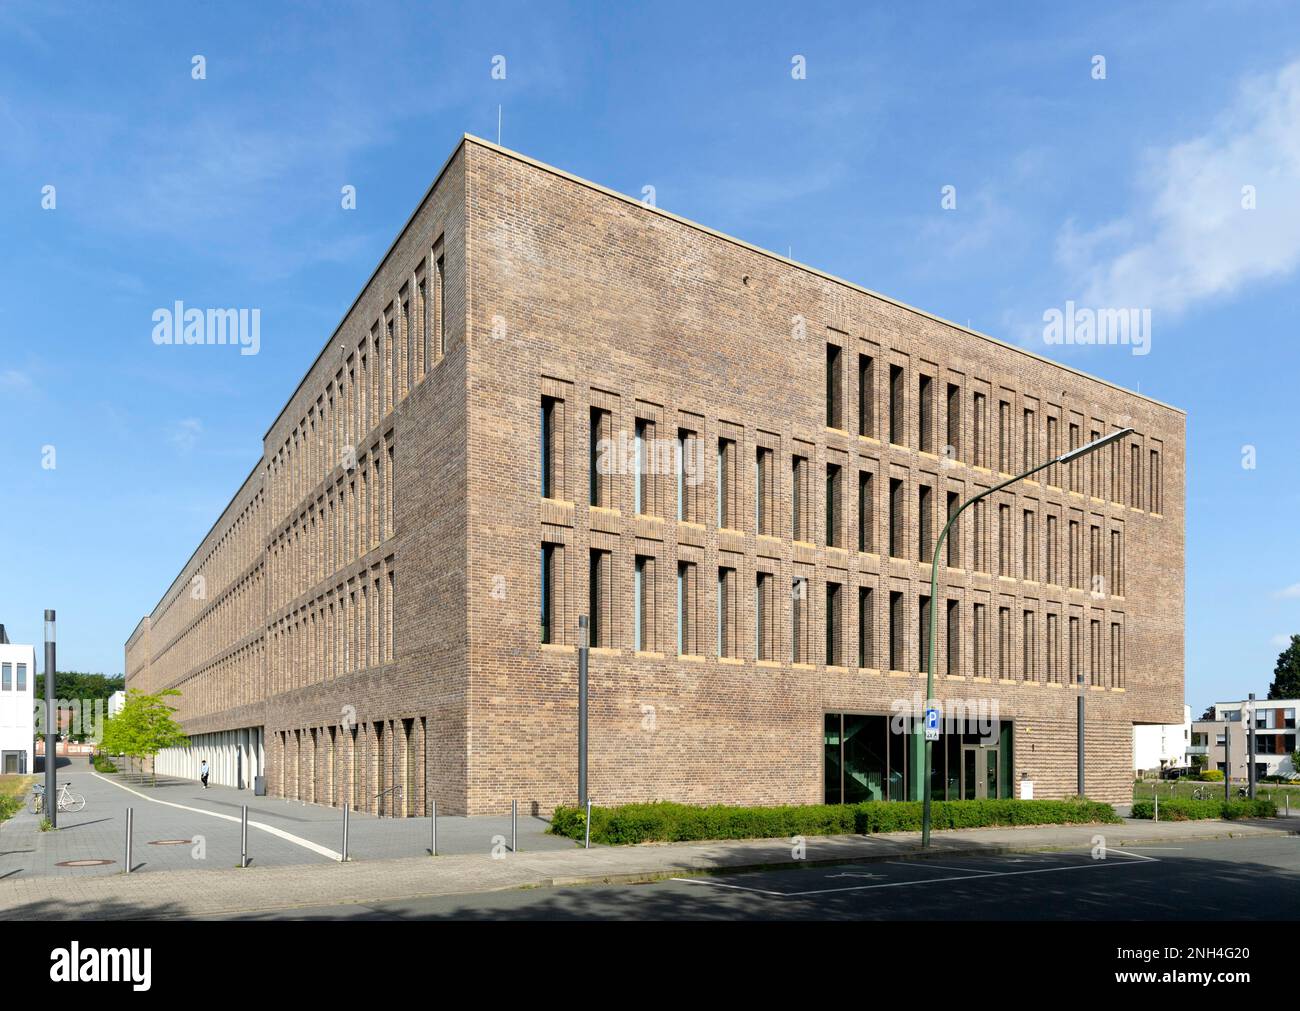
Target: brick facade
{"points": [[394, 589]]}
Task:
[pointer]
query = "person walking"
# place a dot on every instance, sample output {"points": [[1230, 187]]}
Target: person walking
{"points": [[203, 773]]}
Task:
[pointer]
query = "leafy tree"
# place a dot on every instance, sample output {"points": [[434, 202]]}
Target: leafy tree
{"points": [[80, 687], [144, 727], [1286, 675]]}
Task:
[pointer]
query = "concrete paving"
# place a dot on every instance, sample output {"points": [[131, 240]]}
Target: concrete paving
{"points": [[178, 825], [188, 893]]}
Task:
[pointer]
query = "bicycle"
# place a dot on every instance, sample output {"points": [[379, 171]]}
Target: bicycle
{"points": [[1200, 793], [68, 801]]}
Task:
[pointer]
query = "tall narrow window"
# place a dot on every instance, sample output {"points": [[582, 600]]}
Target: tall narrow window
{"points": [[979, 640], [1074, 464], [641, 604], [1094, 653], [1029, 646], [953, 545], [598, 443], [1076, 671], [896, 632], [726, 482], [834, 388], [1096, 577], [897, 406], [1053, 451], [763, 490], [689, 476], [1029, 439], [550, 411], [1004, 642], [1029, 547], [896, 509], [763, 616], [1117, 563], [1116, 655], [866, 396], [925, 523], [923, 632], [1004, 540], [1072, 546], [642, 492], [952, 635], [980, 536], [686, 633], [979, 440], [834, 506], [440, 303], [1094, 467], [799, 645], [1155, 500], [599, 599], [866, 647], [954, 422], [866, 514], [925, 414], [1004, 436], [548, 593], [727, 645], [834, 625], [799, 518], [1053, 562]]}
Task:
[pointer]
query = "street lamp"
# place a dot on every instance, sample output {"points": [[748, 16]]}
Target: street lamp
{"points": [[51, 795], [1066, 457]]}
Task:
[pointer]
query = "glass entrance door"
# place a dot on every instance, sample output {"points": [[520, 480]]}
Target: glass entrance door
{"points": [[980, 770]]}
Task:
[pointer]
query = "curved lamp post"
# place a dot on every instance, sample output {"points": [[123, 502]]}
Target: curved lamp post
{"points": [[1073, 454]]}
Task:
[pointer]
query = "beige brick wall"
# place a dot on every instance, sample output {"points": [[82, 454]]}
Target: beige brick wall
{"points": [[555, 287]]}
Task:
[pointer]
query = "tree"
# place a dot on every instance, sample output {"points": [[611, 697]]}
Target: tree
{"points": [[144, 727], [82, 691], [1286, 675]]}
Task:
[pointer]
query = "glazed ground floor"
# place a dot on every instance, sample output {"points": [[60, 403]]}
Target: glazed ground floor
{"points": [[396, 767]]}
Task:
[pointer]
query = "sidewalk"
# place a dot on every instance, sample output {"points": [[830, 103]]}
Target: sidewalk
{"points": [[168, 894]]}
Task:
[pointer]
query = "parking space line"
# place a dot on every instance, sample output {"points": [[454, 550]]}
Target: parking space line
{"points": [[965, 874], [938, 867]]}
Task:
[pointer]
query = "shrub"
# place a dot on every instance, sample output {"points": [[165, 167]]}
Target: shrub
{"points": [[1181, 809], [9, 806], [669, 822], [103, 763], [1212, 776]]}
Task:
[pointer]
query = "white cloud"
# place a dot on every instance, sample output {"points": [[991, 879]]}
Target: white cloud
{"points": [[1292, 591], [13, 381], [1282, 641], [1191, 239], [185, 434]]}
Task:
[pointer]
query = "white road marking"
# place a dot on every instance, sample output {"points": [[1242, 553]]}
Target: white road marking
{"points": [[966, 875], [278, 832]]}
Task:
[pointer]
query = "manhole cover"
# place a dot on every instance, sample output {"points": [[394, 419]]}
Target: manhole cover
{"points": [[83, 863], [171, 842]]}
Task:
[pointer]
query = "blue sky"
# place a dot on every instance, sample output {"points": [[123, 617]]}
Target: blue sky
{"points": [[226, 191]]}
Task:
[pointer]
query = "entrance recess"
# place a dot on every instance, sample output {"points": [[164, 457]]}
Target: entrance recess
{"points": [[980, 772]]}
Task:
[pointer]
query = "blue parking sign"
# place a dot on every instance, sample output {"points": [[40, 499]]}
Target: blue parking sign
{"points": [[932, 723]]}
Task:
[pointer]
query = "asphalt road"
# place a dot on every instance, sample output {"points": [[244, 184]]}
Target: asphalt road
{"points": [[1237, 879]]}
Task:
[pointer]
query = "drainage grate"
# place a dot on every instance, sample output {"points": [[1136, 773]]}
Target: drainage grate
{"points": [[171, 842], [84, 863]]}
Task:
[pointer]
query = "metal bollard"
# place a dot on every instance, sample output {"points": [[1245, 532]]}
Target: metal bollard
{"points": [[433, 828], [243, 835], [343, 857], [514, 826], [587, 843], [130, 825]]}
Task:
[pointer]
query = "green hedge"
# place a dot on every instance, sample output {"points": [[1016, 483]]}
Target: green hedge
{"points": [[1179, 809], [103, 763], [668, 822], [1212, 776]]}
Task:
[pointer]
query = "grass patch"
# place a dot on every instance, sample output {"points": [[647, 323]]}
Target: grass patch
{"points": [[668, 822], [13, 794], [1180, 809]]}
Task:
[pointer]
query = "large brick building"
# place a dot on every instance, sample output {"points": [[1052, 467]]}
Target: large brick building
{"points": [[488, 446]]}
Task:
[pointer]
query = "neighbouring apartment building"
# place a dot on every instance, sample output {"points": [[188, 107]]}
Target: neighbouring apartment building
{"points": [[1161, 746], [17, 706], [550, 400], [1225, 740]]}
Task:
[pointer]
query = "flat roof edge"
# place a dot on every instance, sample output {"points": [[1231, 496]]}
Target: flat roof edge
{"points": [[509, 153]]}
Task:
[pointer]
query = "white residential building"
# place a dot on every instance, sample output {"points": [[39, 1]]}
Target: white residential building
{"points": [[1158, 746], [17, 717]]}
